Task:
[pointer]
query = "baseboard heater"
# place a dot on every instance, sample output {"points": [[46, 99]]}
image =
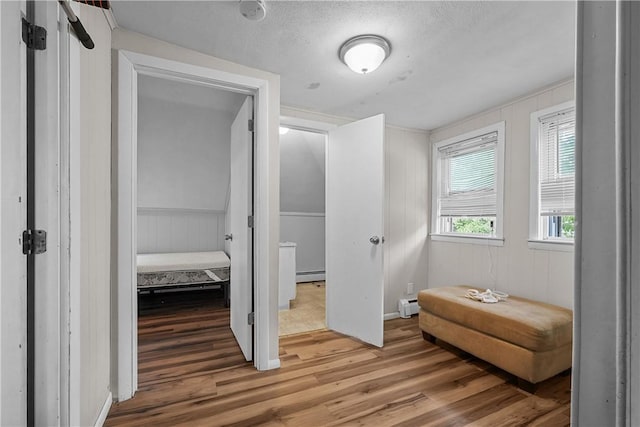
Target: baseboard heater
{"points": [[408, 307], [310, 276]]}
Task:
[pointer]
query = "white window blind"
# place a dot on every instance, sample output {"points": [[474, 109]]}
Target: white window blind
{"points": [[468, 177], [556, 147]]}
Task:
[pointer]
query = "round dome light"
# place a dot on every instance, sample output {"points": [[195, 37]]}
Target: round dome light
{"points": [[363, 54]]}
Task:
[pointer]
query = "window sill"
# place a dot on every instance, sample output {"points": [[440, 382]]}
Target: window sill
{"points": [[474, 240], [551, 245]]}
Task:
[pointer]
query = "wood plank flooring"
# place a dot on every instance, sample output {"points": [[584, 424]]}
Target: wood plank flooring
{"points": [[192, 373]]}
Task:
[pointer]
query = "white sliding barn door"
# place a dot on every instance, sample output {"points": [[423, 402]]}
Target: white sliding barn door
{"points": [[240, 208], [13, 215], [354, 229]]}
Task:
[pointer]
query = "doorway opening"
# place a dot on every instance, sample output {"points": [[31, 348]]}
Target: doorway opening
{"points": [[302, 297], [250, 211], [353, 223], [184, 135]]}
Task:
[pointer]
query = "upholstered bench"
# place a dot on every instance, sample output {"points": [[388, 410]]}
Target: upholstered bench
{"points": [[529, 339]]}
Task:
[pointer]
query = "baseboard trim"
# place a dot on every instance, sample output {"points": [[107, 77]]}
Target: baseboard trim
{"points": [[314, 277], [273, 364], [394, 315], [102, 416]]}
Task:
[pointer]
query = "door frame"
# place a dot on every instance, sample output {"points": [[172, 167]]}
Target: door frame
{"points": [[127, 66]]}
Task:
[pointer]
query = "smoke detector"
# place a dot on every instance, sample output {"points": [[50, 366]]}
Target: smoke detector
{"points": [[253, 10]]}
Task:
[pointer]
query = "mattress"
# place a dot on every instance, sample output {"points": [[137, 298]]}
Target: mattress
{"points": [[184, 261], [173, 270]]}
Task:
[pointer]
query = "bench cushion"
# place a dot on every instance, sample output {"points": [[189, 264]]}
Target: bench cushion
{"points": [[530, 324]]}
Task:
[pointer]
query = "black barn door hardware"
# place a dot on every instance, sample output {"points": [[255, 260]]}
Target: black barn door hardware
{"points": [[77, 26]]}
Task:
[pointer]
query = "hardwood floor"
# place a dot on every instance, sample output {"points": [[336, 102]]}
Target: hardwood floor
{"points": [[192, 373]]}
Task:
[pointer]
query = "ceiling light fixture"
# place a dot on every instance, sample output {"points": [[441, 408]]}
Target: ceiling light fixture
{"points": [[363, 54]]}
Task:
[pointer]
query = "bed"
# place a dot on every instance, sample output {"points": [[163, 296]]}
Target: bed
{"points": [[185, 269]]}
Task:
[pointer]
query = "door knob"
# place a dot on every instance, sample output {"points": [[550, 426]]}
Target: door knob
{"points": [[228, 237], [375, 240]]}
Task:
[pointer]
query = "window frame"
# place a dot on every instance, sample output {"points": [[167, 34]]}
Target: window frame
{"points": [[436, 234], [536, 240]]}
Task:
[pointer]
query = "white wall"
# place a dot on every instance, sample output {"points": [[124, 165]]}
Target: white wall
{"points": [[542, 275], [183, 155], [307, 231], [95, 216], [183, 170], [302, 171], [180, 230], [302, 197], [406, 214], [406, 206]]}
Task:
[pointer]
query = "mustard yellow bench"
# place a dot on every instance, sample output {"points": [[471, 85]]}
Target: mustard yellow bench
{"points": [[529, 339]]}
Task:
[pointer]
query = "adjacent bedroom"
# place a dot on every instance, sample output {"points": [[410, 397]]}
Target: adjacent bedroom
{"points": [[183, 193]]}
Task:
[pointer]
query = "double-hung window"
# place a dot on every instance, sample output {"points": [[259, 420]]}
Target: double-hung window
{"points": [[467, 186], [552, 216]]}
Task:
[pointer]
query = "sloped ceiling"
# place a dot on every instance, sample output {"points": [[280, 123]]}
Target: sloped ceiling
{"points": [[449, 59]]}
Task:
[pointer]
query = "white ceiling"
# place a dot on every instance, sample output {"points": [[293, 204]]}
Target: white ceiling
{"points": [[449, 59]]}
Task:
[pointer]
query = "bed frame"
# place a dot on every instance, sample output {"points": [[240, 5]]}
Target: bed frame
{"points": [[179, 276]]}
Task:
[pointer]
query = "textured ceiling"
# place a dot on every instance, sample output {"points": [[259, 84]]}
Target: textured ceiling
{"points": [[449, 59]]}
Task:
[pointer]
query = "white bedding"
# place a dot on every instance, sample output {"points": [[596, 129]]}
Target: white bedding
{"points": [[150, 263]]}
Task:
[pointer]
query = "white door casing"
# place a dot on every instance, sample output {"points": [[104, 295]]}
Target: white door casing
{"points": [[124, 340], [354, 221], [240, 208]]}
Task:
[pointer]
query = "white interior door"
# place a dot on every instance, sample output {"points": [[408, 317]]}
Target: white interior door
{"points": [[354, 229], [240, 208]]}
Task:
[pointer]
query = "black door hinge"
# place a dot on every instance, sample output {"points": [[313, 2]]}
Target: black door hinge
{"points": [[251, 318], [250, 125], [34, 242], [34, 37], [250, 222]]}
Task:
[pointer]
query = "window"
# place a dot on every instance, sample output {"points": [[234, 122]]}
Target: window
{"points": [[552, 217], [467, 185]]}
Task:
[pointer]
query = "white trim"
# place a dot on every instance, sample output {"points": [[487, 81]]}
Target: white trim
{"points": [[534, 187], [111, 19], [310, 214], [75, 230], [273, 364], [394, 315], [104, 412], [130, 64], [551, 245], [474, 240], [306, 125], [498, 127]]}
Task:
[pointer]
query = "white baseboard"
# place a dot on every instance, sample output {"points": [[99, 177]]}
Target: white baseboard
{"points": [[394, 315], [315, 277], [102, 416], [273, 364]]}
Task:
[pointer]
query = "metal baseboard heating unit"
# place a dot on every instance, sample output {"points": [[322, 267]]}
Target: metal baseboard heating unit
{"points": [[408, 307]]}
